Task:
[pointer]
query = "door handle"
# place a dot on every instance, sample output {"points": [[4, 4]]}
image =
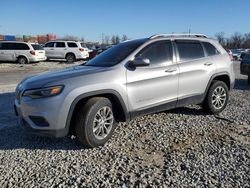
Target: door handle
{"points": [[170, 70], [51, 48], [208, 64]]}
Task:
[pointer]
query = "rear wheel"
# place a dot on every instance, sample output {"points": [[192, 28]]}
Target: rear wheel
{"points": [[95, 122], [217, 97], [70, 58], [22, 60]]}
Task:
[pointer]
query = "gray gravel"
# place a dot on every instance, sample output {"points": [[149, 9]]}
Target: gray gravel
{"points": [[184, 147]]}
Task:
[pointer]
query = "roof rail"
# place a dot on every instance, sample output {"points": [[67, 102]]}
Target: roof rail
{"points": [[179, 35]]}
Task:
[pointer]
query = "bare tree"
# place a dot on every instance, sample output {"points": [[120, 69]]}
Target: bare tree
{"points": [[117, 39], [69, 37], [107, 39], [236, 40], [246, 41], [82, 39], [221, 38], [113, 40], [124, 37]]}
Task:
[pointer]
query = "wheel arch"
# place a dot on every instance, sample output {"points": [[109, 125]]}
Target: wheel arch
{"points": [[69, 53], [22, 55], [120, 109], [223, 76]]}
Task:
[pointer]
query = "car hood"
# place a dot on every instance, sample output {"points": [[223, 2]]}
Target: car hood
{"points": [[47, 77]]}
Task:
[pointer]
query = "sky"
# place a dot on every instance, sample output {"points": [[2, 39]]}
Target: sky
{"points": [[136, 19]]}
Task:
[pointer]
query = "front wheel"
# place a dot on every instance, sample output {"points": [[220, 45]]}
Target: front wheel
{"points": [[95, 122], [217, 97]]}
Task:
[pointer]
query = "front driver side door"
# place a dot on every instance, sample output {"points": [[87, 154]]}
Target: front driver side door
{"points": [[154, 87]]}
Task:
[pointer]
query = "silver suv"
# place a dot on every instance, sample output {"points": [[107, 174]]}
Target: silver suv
{"points": [[131, 79]]}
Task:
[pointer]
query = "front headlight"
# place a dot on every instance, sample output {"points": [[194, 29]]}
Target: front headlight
{"points": [[44, 92]]}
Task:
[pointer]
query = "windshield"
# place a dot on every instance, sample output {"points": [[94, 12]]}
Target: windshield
{"points": [[115, 54]]}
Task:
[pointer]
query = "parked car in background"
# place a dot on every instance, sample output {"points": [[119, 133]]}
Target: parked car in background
{"points": [[245, 66], [97, 51], [21, 52], [84, 46], [131, 79], [69, 50], [236, 53]]}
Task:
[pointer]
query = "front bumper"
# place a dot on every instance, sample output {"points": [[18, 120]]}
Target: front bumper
{"points": [[26, 110]]}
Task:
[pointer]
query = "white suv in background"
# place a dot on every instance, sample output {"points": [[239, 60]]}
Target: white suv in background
{"points": [[21, 52], [69, 50]]}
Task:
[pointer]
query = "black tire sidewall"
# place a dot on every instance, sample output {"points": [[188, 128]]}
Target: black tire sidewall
{"points": [[25, 60], [84, 127], [210, 106], [73, 58]]}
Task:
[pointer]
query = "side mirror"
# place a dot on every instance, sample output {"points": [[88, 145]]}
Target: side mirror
{"points": [[140, 62]]}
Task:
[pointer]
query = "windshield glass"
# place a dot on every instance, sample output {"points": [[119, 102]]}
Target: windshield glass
{"points": [[115, 54]]}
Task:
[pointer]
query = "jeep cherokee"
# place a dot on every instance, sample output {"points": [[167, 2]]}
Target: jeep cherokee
{"points": [[131, 79]]}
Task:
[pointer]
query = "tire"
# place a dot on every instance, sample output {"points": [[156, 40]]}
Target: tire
{"points": [[248, 79], [87, 119], [70, 58], [217, 97], [22, 60]]}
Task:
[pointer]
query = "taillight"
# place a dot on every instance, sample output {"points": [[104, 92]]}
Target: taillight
{"points": [[81, 49], [32, 52]]}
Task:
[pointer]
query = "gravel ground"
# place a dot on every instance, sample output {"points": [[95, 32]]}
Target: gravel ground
{"points": [[184, 147]]}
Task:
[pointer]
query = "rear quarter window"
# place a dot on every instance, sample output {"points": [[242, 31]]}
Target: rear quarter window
{"points": [[210, 49], [189, 50], [72, 45], [37, 47]]}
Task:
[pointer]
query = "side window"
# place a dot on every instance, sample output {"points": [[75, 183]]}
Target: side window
{"points": [[189, 50], [158, 53], [20, 46], [7, 46], [60, 44], [210, 49], [72, 45], [49, 45]]}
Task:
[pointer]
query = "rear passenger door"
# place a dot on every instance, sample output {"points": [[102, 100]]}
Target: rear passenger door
{"points": [[60, 50], [21, 49], [195, 71]]}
